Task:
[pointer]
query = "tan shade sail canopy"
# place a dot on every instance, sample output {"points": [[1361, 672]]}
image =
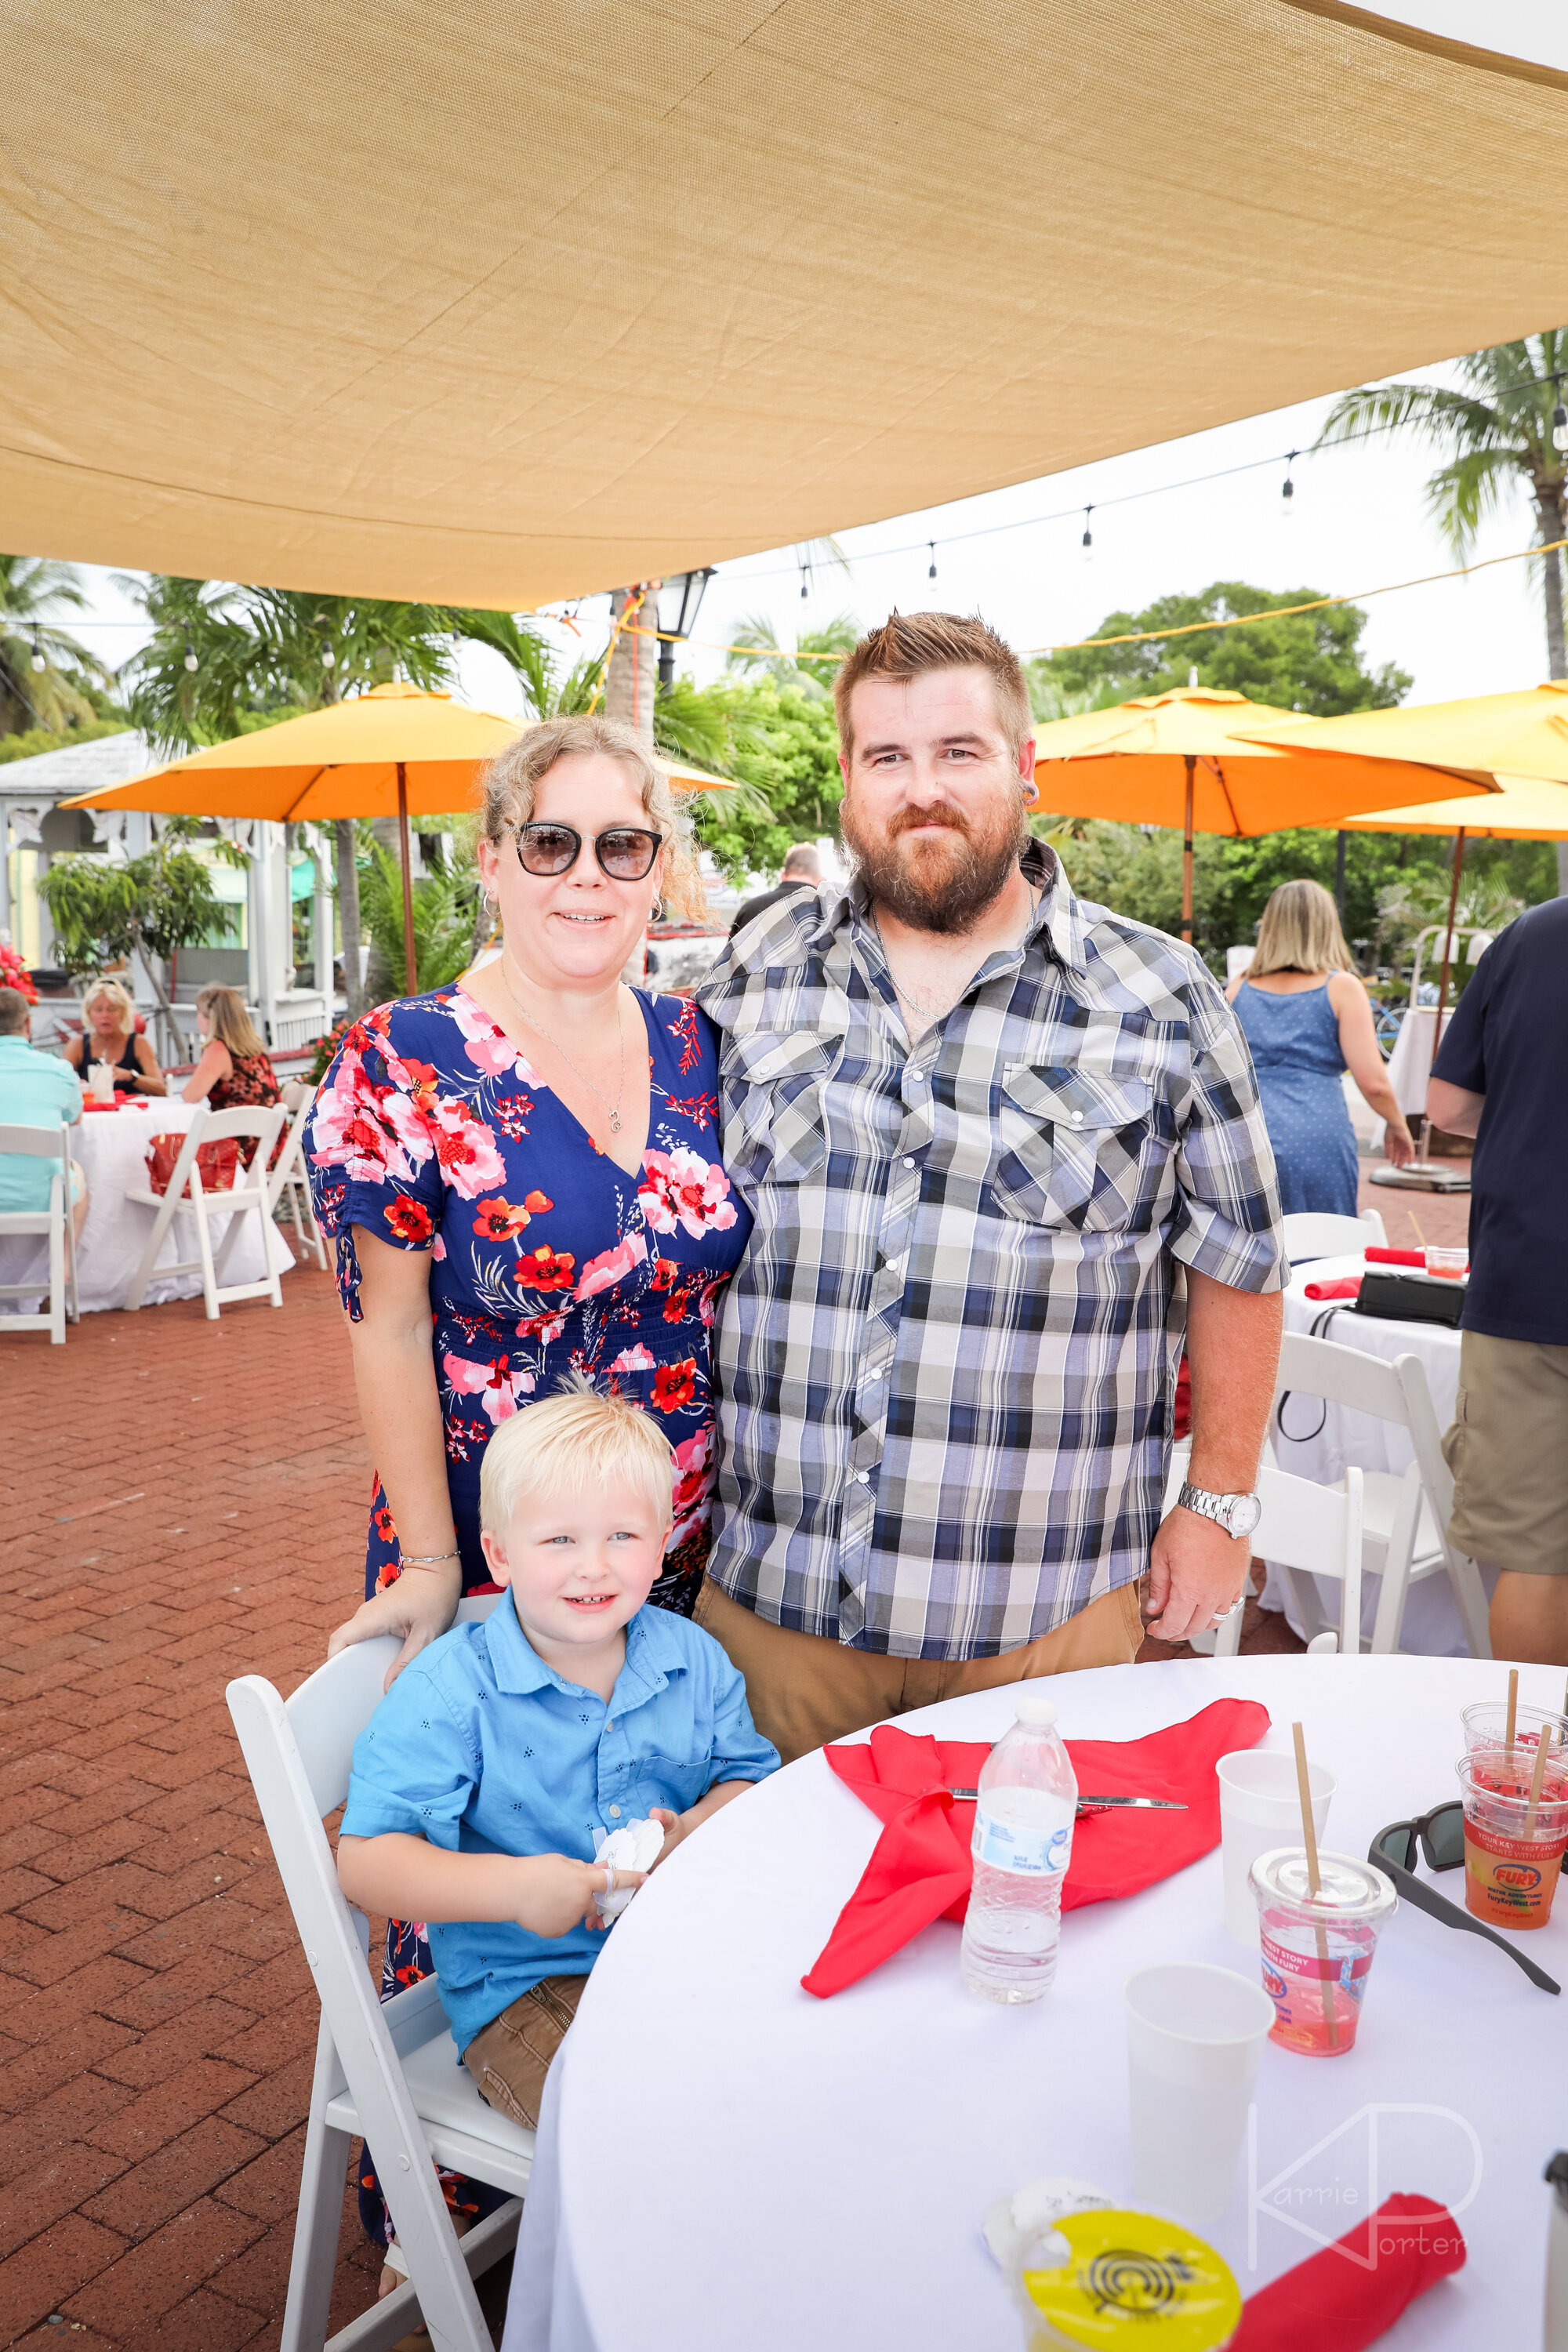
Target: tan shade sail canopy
{"points": [[496, 305], [1519, 734], [1132, 763]]}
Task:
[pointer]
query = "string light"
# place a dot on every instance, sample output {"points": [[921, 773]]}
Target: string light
{"points": [[1288, 491], [805, 580], [1088, 540], [39, 661], [931, 573], [328, 656], [191, 662], [1559, 426]]}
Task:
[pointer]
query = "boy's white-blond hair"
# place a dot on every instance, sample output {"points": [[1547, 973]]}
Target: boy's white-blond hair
{"points": [[571, 1444]]}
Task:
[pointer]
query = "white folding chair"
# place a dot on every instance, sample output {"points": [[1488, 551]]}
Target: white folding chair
{"points": [[1313, 1529], [389, 2070], [187, 1196], [1311, 1233], [45, 1143], [290, 1173], [1405, 1522]]}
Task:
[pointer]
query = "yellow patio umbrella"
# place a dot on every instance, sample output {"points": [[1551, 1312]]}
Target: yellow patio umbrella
{"points": [[1519, 734], [1524, 808], [1191, 758], [395, 752]]}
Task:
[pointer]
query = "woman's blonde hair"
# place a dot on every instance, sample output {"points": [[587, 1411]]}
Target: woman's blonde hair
{"points": [[510, 782], [232, 1025], [117, 994], [1301, 933], [573, 1444]]}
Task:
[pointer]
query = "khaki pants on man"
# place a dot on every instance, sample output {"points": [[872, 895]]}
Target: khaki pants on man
{"points": [[804, 1690]]}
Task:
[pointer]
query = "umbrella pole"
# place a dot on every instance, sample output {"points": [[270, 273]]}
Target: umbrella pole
{"points": [[1448, 936], [1187, 855], [410, 972]]}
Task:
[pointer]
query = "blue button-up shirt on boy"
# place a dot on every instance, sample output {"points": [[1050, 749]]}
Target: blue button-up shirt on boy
{"points": [[482, 1748]]}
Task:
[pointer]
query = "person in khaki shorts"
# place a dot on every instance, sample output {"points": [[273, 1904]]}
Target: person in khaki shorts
{"points": [[1003, 1152], [479, 1779], [1501, 1075]]}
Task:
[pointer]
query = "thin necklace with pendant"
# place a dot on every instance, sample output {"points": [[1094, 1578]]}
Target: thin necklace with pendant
{"points": [[934, 1013], [523, 1014]]}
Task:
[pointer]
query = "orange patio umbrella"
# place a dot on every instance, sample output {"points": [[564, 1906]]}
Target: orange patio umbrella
{"points": [[397, 750], [1191, 757]]}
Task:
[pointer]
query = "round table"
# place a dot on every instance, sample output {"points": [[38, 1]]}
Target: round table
{"points": [[1341, 1439], [725, 2160], [112, 1147]]}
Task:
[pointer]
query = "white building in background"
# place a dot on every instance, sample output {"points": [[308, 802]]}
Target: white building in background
{"points": [[257, 956]]}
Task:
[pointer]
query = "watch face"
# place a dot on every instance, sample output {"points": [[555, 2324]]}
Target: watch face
{"points": [[1244, 1512]]}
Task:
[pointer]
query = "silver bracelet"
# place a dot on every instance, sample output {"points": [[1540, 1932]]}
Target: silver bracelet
{"points": [[427, 1560]]}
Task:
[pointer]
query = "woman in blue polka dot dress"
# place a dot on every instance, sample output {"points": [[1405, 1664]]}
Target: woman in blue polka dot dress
{"points": [[1307, 1019]]}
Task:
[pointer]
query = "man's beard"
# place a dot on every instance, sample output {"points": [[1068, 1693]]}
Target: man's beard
{"points": [[940, 883]]}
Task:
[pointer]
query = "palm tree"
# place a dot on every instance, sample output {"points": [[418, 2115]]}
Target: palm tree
{"points": [[833, 640], [31, 589], [1498, 426]]}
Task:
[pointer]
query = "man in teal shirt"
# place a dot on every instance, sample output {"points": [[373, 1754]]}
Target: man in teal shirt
{"points": [[36, 1091]]}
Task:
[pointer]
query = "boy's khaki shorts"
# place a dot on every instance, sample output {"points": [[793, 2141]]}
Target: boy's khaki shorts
{"points": [[510, 2056]]}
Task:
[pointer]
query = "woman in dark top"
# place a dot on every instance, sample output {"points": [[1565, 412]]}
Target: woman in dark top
{"points": [[522, 1172], [110, 1035], [234, 1070]]}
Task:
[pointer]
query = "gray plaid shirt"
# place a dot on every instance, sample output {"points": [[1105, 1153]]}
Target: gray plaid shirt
{"points": [[947, 1359]]}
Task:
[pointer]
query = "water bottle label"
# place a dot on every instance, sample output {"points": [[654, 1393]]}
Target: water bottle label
{"points": [[1029, 1850]]}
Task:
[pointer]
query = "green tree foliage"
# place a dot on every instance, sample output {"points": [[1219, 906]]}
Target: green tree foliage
{"points": [[780, 743], [150, 906], [27, 745], [447, 904], [1310, 662], [67, 691], [807, 676], [1496, 428]]}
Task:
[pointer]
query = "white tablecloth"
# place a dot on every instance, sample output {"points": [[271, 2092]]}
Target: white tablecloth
{"points": [[1431, 1625], [724, 2161], [111, 1147]]}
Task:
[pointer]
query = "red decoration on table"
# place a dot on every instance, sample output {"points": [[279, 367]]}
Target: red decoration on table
{"points": [[1339, 2301], [14, 973], [921, 1869], [1376, 1256], [1348, 1286]]}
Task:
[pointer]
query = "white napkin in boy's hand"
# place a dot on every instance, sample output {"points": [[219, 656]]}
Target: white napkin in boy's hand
{"points": [[635, 1845]]}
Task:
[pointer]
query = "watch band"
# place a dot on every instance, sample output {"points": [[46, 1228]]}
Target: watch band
{"points": [[1237, 1514]]}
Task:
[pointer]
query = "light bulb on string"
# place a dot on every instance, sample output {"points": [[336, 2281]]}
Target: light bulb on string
{"points": [[1088, 540], [191, 662], [805, 580], [931, 573], [39, 661], [1559, 426], [1288, 491], [328, 655]]}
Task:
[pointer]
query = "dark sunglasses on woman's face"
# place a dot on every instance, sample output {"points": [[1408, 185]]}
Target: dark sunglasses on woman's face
{"points": [[625, 852], [1441, 1835]]}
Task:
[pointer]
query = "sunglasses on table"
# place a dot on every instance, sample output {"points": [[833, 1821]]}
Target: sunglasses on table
{"points": [[1440, 1837], [625, 852]]}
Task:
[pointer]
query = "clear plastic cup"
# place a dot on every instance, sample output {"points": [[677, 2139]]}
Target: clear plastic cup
{"points": [[101, 1079], [1449, 1264], [1195, 2038], [1513, 1849], [1260, 1807], [1316, 1949], [1485, 1722]]}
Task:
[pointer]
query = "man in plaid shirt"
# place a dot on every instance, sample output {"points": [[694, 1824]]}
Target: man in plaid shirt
{"points": [[1004, 1151]]}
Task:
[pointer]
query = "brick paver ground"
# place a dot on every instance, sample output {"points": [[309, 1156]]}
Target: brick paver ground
{"points": [[184, 1502]]}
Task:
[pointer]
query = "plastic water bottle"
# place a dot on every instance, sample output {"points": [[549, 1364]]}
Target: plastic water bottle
{"points": [[1023, 1842]]}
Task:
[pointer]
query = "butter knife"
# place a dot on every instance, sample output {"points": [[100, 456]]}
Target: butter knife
{"points": [[1098, 1804]]}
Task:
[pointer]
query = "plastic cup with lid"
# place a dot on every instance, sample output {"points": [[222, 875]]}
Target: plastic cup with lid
{"points": [[1318, 1948]]}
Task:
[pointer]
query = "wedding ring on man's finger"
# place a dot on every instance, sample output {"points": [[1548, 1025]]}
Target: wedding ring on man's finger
{"points": [[1220, 1615], [609, 1886]]}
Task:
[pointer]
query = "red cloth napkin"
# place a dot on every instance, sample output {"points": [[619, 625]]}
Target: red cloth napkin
{"points": [[1335, 2303], [1376, 1256], [1347, 1287], [921, 1869]]}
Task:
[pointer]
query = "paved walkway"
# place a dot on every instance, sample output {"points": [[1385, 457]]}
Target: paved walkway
{"points": [[184, 1502]]}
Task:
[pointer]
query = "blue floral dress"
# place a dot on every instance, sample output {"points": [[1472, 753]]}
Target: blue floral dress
{"points": [[433, 1131]]}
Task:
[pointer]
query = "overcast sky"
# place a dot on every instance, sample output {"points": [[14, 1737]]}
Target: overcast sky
{"points": [[1357, 521]]}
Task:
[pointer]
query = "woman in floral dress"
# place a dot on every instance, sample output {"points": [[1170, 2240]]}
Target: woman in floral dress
{"points": [[520, 1172]]}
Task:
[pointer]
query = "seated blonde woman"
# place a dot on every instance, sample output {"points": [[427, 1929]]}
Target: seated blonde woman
{"points": [[110, 1035], [233, 1071]]}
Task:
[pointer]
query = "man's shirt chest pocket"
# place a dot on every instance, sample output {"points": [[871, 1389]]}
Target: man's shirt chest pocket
{"points": [[1073, 1146], [777, 1133]]}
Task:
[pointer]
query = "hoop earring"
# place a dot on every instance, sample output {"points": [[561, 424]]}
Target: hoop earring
{"points": [[656, 913]]}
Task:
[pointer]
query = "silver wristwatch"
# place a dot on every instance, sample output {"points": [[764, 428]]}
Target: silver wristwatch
{"points": [[1237, 1514]]}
